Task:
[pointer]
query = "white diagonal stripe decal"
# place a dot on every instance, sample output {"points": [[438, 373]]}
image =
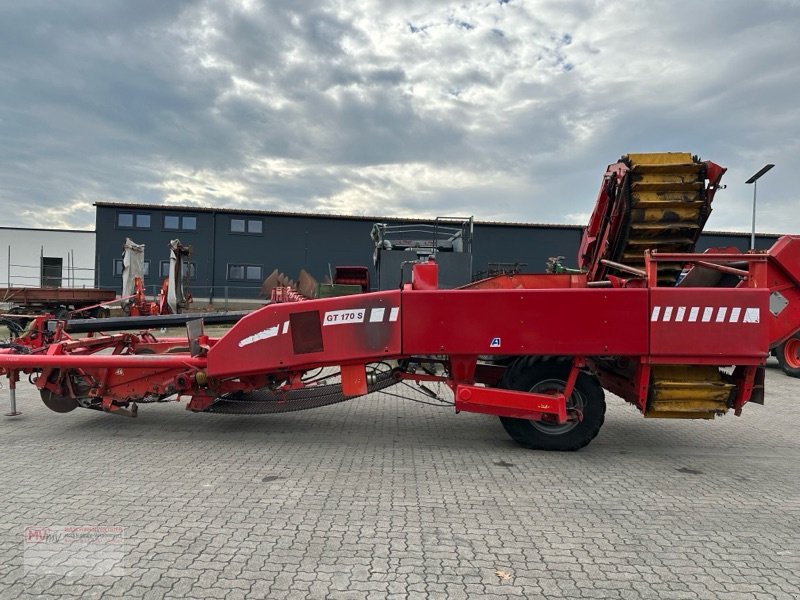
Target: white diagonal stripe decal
{"points": [[751, 315]]}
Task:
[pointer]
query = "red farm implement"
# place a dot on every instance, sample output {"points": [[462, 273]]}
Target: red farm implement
{"points": [[535, 350]]}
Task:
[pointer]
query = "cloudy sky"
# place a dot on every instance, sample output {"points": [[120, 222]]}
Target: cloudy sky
{"points": [[507, 110]]}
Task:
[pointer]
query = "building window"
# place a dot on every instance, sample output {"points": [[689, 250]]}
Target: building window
{"points": [[118, 267], [237, 225], [133, 220], [252, 226], [164, 269], [244, 272], [176, 222]]}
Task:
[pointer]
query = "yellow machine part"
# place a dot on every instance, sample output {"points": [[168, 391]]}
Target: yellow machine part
{"points": [[667, 207], [687, 392]]}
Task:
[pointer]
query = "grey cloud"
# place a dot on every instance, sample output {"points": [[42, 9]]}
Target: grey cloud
{"points": [[507, 110]]}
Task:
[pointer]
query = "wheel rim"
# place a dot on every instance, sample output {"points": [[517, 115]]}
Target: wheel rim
{"points": [[791, 353], [576, 401]]}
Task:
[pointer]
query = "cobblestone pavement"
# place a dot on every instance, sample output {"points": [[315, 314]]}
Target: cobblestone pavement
{"points": [[383, 498]]}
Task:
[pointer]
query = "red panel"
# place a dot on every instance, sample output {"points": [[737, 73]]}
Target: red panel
{"points": [[784, 277], [518, 281], [354, 380], [357, 328], [589, 322], [719, 324], [425, 276]]}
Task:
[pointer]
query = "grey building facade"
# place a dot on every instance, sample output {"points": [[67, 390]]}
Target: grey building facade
{"points": [[233, 250]]}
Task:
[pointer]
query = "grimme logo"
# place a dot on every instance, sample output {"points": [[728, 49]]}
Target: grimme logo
{"points": [[496, 343]]}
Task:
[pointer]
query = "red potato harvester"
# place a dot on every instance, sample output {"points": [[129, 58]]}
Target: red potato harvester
{"points": [[675, 333]]}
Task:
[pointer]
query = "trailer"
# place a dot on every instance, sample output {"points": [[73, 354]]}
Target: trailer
{"points": [[665, 334], [56, 300]]}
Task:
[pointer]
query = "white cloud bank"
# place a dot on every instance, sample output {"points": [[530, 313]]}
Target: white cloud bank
{"points": [[508, 110]]}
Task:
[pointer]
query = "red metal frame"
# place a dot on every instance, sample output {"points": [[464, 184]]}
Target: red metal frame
{"points": [[508, 316]]}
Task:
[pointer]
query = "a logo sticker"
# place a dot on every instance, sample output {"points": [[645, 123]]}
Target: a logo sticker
{"points": [[344, 317], [496, 343]]}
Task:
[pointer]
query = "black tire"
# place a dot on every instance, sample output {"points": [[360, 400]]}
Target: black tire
{"points": [[788, 355], [101, 312], [528, 374]]}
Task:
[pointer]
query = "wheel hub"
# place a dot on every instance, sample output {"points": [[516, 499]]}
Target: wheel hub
{"points": [[575, 407]]}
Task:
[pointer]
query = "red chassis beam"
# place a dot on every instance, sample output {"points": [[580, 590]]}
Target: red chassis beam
{"points": [[11, 362]]}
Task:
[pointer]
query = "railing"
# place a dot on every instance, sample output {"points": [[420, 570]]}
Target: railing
{"points": [[223, 297], [26, 275]]}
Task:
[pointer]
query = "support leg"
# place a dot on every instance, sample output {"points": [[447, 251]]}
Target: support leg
{"points": [[12, 395]]}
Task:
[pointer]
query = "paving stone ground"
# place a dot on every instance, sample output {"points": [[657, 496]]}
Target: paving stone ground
{"points": [[383, 498]]}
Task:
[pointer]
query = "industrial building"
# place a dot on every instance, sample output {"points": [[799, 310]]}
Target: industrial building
{"points": [[34, 257], [234, 250]]}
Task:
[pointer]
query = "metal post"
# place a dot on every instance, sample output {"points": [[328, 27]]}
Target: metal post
{"points": [[753, 230], [12, 394], [754, 181]]}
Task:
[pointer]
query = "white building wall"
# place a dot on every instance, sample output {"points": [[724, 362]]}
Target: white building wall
{"points": [[21, 251]]}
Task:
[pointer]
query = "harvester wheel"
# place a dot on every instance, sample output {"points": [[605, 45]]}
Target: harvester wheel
{"points": [[56, 403], [788, 355], [101, 312], [527, 374]]}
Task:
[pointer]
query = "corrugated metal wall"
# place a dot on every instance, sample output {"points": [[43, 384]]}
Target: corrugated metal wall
{"points": [[293, 242]]}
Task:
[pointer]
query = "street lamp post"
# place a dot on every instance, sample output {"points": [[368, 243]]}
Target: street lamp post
{"points": [[754, 180]]}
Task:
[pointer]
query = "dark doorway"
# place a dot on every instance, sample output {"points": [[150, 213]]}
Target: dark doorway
{"points": [[51, 271]]}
